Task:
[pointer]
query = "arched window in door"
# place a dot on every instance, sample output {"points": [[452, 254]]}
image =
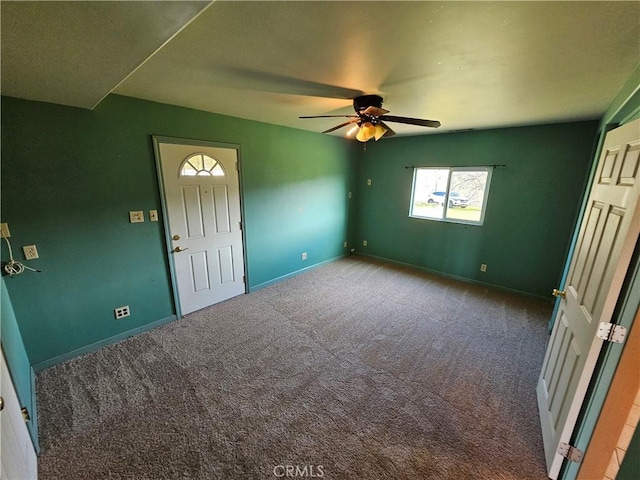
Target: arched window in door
{"points": [[201, 165]]}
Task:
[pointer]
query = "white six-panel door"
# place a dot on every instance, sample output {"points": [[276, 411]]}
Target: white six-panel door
{"points": [[202, 199], [607, 237]]}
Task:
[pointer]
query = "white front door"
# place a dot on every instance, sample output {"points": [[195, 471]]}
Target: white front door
{"points": [[608, 235], [202, 200], [17, 455]]}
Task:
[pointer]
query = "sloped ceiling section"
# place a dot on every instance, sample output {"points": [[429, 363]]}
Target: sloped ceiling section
{"points": [[75, 53], [470, 65]]}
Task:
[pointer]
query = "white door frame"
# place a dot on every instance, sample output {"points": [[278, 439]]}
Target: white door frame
{"points": [[157, 140]]}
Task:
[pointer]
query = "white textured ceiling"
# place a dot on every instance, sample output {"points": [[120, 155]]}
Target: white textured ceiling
{"points": [[471, 65]]}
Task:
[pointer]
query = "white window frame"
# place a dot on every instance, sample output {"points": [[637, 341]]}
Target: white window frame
{"points": [[444, 218]]}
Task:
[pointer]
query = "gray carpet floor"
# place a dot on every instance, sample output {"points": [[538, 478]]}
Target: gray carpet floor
{"points": [[358, 369]]}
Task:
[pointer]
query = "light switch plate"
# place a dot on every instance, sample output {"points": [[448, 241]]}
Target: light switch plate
{"points": [[136, 216], [153, 215], [4, 230]]}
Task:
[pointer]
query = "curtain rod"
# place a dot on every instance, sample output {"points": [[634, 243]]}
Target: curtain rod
{"points": [[455, 166]]}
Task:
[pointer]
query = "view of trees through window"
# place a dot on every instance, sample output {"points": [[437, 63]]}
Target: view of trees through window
{"points": [[456, 194]]}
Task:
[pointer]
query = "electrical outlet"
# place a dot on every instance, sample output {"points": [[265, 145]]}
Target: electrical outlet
{"points": [[350, 194], [153, 215], [4, 230], [30, 252], [483, 267], [304, 255], [136, 216], [368, 181], [364, 243], [344, 244], [122, 312]]}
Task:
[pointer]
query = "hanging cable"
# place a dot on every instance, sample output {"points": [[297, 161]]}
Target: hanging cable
{"points": [[13, 267]]}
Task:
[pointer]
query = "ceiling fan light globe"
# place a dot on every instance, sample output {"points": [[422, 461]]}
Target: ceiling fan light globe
{"points": [[379, 131], [353, 130], [369, 130], [360, 136]]}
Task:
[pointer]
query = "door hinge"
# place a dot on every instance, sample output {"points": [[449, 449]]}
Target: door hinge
{"points": [[240, 225], [611, 332], [572, 454], [244, 279], [25, 414]]}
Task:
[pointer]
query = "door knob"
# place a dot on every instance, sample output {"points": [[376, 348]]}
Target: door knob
{"points": [[559, 293], [175, 237], [1, 404], [179, 249]]}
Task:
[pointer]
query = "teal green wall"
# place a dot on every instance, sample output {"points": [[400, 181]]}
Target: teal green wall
{"points": [[17, 360], [531, 210], [70, 176]]}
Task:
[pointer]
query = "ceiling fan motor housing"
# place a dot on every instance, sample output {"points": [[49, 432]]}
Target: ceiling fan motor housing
{"points": [[365, 101]]}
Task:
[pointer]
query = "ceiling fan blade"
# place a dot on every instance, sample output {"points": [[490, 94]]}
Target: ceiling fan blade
{"points": [[411, 121], [340, 126], [330, 116], [246, 78], [374, 111]]}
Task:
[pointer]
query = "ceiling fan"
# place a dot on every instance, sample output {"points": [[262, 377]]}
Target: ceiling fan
{"points": [[370, 119]]}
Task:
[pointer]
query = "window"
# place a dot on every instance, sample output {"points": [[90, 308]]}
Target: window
{"points": [[201, 165], [452, 194]]}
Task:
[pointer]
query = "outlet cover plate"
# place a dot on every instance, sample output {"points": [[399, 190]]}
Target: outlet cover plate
{"points": [[30, 252], [122, 312]]}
